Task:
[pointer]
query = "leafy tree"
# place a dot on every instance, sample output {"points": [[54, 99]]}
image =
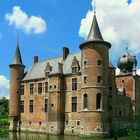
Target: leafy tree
{"points": [[4, 108]]}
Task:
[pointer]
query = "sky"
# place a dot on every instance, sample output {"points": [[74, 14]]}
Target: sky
{"points": [[45, 26]]}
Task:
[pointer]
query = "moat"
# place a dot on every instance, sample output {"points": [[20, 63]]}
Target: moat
{"points": [[37, 136]]}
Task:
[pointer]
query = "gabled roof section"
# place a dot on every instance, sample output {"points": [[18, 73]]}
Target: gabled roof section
{"points": [[17, 58], [94, 32], [37, 70]]}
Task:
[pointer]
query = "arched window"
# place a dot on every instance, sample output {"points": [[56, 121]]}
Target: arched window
{"points": [[98, 101], [85, 101]]}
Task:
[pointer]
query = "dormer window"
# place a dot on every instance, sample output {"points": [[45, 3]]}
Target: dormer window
{"points": [[48, 69], [74, 69], [75, 65], [46, 74]]}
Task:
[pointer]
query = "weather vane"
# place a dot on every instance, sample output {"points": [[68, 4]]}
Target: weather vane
{"points": [[94, 7], [127, 46], [17, 38]]}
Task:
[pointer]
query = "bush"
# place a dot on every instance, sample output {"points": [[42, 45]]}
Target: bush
{"points": [[4, 122]]}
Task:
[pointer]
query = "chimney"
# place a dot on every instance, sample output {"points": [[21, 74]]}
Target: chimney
{"points": [[35, 59], [65, 52]]}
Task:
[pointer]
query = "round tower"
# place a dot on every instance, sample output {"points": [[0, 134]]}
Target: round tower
{"points": [[16, 75], [95, 69]]}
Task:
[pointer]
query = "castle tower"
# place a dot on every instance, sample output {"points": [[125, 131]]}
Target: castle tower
{"points": [[95, 73], [16, 74]]}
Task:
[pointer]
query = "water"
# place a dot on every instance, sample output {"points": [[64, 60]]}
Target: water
{"points": [[37, 136]]}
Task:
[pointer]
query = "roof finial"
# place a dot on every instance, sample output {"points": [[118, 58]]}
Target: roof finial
{"points": [[94, 7], [127, 46], [17, 39]]}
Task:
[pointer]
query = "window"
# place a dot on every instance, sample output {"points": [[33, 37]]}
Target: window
{"points": [[46, 87], [67, 122], [85, 79], [99, 62], [22, 106], [78, 122], [99, 79], [74, 84], [98, 101], [85, 101], [74, 69], [31, 88], [22, 90], [54, 86], [46, 105], [85, 63], [47, 73], [39, 88], [50, 87], [122, 81], [74, 104], [39, 123], [31, 107]]}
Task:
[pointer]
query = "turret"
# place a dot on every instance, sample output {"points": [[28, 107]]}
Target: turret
{"points": [[95, 72], [16, 74]]}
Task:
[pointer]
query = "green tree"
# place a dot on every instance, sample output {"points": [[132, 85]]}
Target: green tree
{"points": [[4, 108]]}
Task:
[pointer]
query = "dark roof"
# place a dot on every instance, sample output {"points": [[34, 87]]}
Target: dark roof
{"points": [[94, 33], [17, 58]]}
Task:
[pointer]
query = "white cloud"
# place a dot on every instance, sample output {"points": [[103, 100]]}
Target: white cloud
{"points": [[118, 21], [21, 20], [138, 71], [4, 87], [117, 71]]}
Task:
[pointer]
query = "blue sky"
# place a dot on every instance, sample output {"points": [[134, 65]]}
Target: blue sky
{"points": [[45, 26]]}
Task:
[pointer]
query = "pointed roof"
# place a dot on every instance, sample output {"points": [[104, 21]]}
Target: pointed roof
{"points": [[17, 58], [94, 33]]}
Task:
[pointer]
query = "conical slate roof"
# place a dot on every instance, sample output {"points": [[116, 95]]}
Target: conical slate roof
{"points": [[17, 58], [94, 33]]}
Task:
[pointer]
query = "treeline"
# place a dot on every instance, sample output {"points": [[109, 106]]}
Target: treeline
{"points": [[4, 111], [4, 108]]}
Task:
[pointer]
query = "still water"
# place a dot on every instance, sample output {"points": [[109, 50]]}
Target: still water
{"points": [[36, 136]]}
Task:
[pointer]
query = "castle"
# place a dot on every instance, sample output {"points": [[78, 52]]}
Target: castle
{"points": [[76, 94]]}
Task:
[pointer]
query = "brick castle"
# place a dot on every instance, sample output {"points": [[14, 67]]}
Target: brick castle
{"points": [[76, 94]]}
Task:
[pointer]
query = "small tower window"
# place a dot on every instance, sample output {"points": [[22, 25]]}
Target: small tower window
{"points": [[98, 101], [46, 105], [74, 104], [31, 88], [99, 62], [85, 80], [22, 106], [99, 79], [85, 103], [22, 90], [74, 83], [85, 63], [31, 107], [39, 88]]}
